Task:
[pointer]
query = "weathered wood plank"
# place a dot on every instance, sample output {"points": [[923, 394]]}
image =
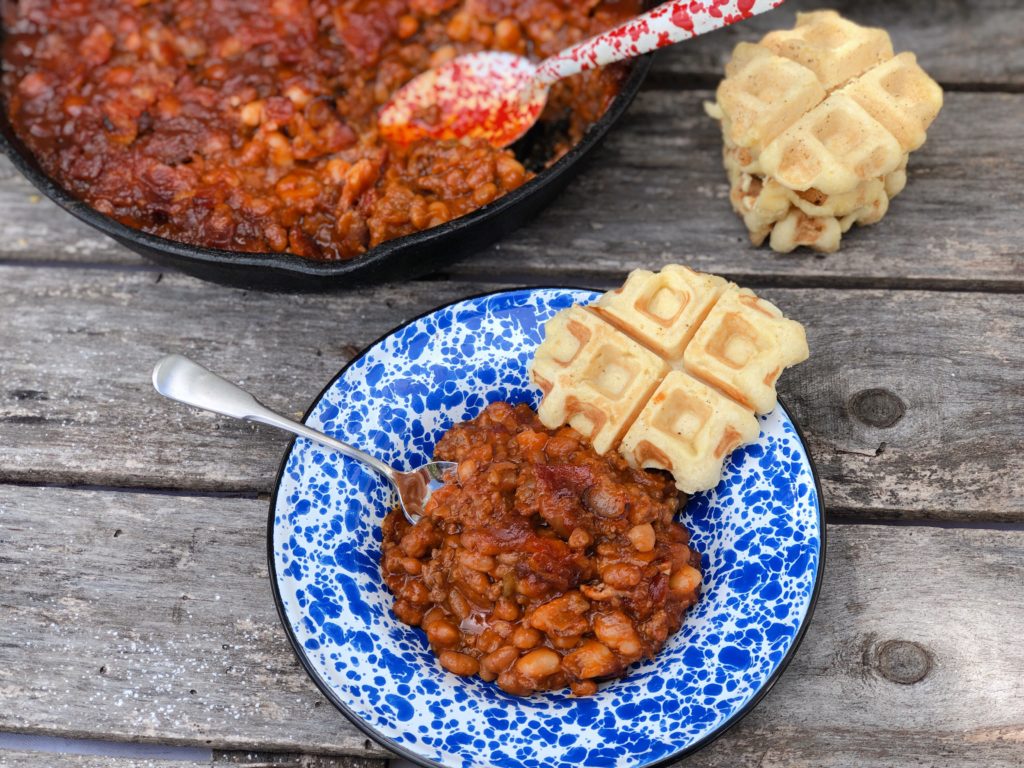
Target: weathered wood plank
{"points": [[657, 189], [976, 43], [149, 618], [94, 586], [28, 759], [76, 406]]}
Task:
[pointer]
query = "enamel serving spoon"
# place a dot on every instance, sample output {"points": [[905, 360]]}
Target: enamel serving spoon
{"points": [[187, 382], [499, 96]]}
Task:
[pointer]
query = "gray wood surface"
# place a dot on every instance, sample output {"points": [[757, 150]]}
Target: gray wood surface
{"points": [[135, 596], [77, 403], [28, 759], [130, 602], [25, 759], [963, 43], [656, 191]]}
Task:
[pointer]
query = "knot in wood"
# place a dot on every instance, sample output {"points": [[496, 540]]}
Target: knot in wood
{"points": [[877, 408], [903, 662]]}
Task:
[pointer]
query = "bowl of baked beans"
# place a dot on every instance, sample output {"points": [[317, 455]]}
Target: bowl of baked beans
{"points": [[552, 607], [238, 140]]}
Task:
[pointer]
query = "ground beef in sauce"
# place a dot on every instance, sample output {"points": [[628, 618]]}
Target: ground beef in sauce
{"points": [[542, 565], [250, 125]]}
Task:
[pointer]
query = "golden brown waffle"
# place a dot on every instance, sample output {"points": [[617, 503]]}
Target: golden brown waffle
{"points": [[674, 365], [594, 378], [818, 122], [662, 311], [743, 346], [688, 429]]}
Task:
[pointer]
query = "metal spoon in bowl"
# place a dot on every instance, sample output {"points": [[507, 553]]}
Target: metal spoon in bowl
{"points": [[499, 96], [187, 382]]}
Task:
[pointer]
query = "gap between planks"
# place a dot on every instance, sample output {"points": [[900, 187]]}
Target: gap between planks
{"points": [[835, 516], [606, 281]]}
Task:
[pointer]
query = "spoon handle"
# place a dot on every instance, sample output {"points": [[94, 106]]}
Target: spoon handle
{"points": [[178, 378], [665, 25]]}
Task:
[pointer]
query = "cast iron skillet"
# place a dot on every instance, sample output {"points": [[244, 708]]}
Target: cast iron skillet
{"points": [[404, 257]]}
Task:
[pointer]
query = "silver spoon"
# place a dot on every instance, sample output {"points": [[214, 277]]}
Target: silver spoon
{"points": [[187, 382]]}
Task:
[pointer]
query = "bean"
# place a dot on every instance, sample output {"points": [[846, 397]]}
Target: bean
{"points": [[642, 537], [684, 580], [526, 638], [443, 634], [466, 468], [407, 612], [506, 609], [616, 631], [484, 194], [476, 562], [441, 55], [459, 604], [592, 659], [459, 663], [621, 575], [507, 34], [497, 662], [408, 25], [583, 688], [511, 172], [564, 643], [539, 663], [460, 28], [580, 539]]}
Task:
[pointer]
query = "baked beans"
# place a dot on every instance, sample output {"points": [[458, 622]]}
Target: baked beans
{"points": [[250, 125], [541, 565]]}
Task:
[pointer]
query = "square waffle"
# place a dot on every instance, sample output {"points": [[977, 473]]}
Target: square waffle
{"points": [[833, 148], [900, 96], [743, 346], [764, 94], [594, 378], [688, 429], [834, 49], [662, 310], [670, 368]]}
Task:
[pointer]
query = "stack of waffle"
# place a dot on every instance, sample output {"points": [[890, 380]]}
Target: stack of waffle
{"points": [[818, 124], [671, 369]]}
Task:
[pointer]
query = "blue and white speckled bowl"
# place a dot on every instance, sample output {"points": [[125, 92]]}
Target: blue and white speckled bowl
{"points": [[760, 532]]}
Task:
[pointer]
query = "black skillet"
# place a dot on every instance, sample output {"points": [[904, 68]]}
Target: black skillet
{"points": [[402, 258]]}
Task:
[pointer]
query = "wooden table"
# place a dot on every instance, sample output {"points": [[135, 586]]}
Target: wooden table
{"points": [[135, 599]]}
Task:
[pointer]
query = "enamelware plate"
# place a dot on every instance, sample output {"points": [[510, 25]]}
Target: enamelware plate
{"points": [[760, 533]]}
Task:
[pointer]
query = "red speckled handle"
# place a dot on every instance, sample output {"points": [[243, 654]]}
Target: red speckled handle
{"points": [[665, 25]]}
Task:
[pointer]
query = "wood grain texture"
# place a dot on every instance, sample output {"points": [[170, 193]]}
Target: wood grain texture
{"points": [[130, 602], [966, 44], [149, 618], [656, 191], [27, 759], [77, 406]]}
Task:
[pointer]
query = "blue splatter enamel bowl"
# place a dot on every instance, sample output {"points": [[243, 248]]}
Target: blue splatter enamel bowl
{"points": [[760, 532]]}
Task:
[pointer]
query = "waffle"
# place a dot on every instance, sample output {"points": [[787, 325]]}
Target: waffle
{"points": [[670, 368], [688, 429], [593, 377], [662, 311], [818, 123], [742, 347]]}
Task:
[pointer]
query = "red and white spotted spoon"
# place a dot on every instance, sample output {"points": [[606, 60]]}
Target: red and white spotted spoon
{"points": [[498, 96]]}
